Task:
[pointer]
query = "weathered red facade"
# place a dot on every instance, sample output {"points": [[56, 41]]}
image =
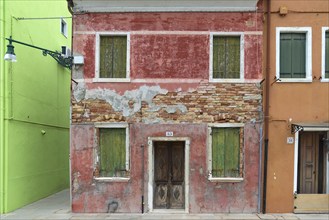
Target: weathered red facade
{"points": [[169, 90]]}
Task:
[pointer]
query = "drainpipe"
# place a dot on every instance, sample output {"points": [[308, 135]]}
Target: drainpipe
{"points": [[267, 99], [259, 201], [142, 199]]}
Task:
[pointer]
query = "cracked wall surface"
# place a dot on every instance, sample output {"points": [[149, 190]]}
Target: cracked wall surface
{"points": [[90, 195], [127, 104], [168, 90]]}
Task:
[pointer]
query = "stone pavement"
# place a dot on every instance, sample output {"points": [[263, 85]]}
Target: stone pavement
{"points": [[57, 206]]}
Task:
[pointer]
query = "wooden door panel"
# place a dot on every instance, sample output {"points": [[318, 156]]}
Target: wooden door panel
{"points": [[177, 162], [161, 196], [308, 187], [169, 175], [309, 155], [161, 163], [308, 163], [161, 175], [308, 172], [177, 196]]}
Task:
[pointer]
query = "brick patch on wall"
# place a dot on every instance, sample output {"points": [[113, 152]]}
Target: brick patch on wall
{"points": [[208, 103]]}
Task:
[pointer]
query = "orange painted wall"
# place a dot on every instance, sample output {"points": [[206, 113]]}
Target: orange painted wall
{"points": [[300, 102]]}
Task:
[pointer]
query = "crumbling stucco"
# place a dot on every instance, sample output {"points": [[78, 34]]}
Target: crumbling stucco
{"points": [[79, 91], [122, 103], [75, 185]]}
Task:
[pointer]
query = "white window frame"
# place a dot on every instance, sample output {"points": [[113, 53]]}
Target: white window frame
{"points": [[64, 32], [150, 152], [323, 63], [209, 153], [234, 34], [308, 54], [96, 158], [97, 57]]}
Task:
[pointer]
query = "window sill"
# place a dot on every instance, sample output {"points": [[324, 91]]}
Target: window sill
{"points": [[169, 211], [284, 80], [226, 179], [234, 80], [324, 80], [111, 80], [112, 179]]}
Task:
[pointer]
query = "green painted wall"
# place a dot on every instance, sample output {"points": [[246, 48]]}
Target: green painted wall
{"points": [[35, 97]]}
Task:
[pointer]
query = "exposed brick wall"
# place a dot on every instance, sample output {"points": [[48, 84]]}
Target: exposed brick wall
{"points": [[209, 102]]}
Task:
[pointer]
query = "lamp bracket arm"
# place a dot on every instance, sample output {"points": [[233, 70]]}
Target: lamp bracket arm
{"points": [[29, 45], [65, 61]]}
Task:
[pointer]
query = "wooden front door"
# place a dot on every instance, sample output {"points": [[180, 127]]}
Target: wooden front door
{"points": [[169, 173], [308, 166], [312, 195], [312, 163]]}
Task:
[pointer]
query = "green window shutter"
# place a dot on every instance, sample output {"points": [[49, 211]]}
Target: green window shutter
{"points": [[226, 152], [232, 152], [226, 57], [218, 152], [292, 55], [233, 58], [285, 56], [113, 56], [299, 55], [112, 147], [327, 55]]}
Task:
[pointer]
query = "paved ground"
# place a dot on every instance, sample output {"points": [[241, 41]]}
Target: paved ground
{"points": [[57, 206]]}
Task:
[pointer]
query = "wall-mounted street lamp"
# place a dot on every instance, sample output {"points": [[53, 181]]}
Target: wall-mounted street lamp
{"points": [[62, 59]]}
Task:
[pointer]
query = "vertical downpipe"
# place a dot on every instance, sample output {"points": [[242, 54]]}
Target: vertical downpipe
{"points": [[265, 174], [260, 170], [142, 198], [267, 99]]}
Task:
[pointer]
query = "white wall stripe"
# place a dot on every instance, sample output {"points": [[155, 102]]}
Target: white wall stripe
{"points": [[169, 32]]}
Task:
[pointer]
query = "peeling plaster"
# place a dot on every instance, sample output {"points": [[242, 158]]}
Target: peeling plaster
{"points": [[191, 90], [173, 108], [154, 120], [75, 184], [79, 91], [120, 103]]}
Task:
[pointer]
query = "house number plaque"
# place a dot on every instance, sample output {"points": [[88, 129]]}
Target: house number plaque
{"points": [[169, 133], [290, 140]]}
